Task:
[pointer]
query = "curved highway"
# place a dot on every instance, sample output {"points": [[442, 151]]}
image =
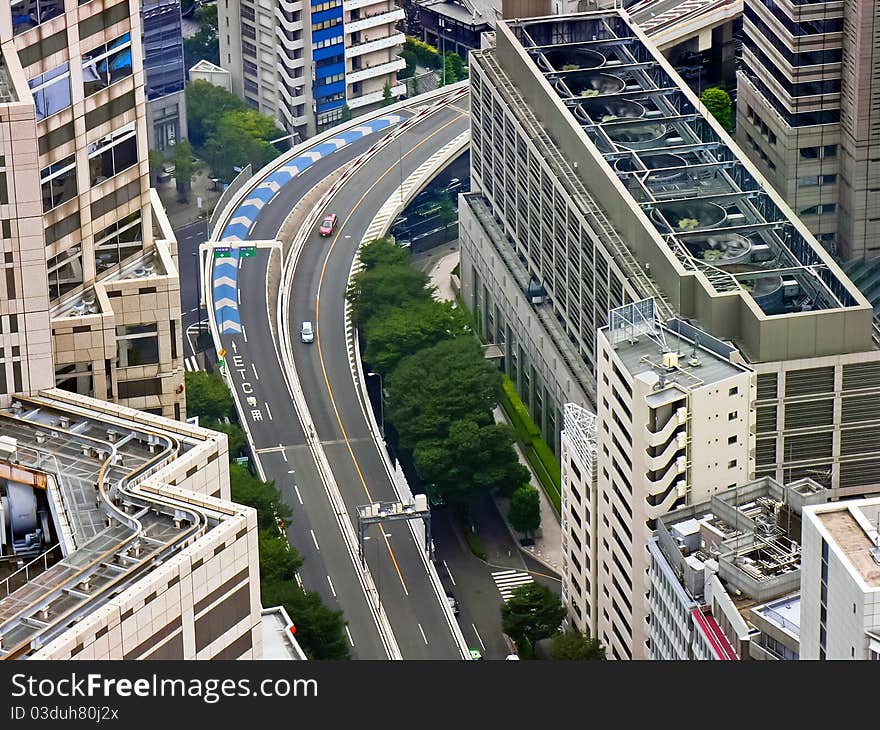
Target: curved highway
{"points": [[421, 625]]}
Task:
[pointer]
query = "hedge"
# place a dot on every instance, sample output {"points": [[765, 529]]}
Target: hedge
{"points": [[536, 450], [426, 54]]}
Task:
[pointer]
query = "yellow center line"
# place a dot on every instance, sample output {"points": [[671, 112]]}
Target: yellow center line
{"points": [[318, 331]]}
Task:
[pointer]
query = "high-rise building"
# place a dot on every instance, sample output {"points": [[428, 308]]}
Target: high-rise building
{"points": [[303, 63], [597, 181], [725, 574], [165, 72], [840, 581], [806, 94], [674, 424], [90, 298]]}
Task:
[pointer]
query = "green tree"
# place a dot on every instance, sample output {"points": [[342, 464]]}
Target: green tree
{"points": [[455, 64], [449, 66], [320, 631], [379, 289], [470, 462], [533, 612], [573, 645], [207, 396], [235, 438], [404, 331], [205, 104], [156, 161], [719, 104], [205, 43], [382, 252], [410, 58], [242, 136], [426, 55], [264, 497], [525, 509], [183, 168], [387, 98], [415, 86], [279, 561], [346, 113], [448, 213], [447, 382]]}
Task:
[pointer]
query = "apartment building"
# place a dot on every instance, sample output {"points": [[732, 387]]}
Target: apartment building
{"points": [[674, 424], [840, 584], [165, 73], [302, 63], [597, 181], [90, 298], [118, 539], [725, 574], [806, 91]]}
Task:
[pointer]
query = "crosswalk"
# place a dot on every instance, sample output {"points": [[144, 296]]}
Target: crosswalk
{"points": [[508, 580], [191, 364]]}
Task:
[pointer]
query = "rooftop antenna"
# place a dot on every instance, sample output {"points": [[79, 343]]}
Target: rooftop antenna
{"points": [[694, 361]]}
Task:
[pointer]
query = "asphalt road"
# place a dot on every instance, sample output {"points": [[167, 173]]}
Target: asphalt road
{"points": [[407, 595], [188, 239]]}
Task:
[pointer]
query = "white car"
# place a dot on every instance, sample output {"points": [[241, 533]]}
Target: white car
{"points": [[306, 333]]}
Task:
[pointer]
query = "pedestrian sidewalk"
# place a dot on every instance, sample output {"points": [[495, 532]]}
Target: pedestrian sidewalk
{"points": [[547, 548], [548, 540]]}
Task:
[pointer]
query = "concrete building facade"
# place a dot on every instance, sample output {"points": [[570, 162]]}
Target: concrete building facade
{"points": [[840, 582], [569, 217], [303, 62], [91, 301], [806, 91]]}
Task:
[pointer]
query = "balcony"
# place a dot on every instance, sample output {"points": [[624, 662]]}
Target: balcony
{"points": [[380, 69], [355, 4], [375, 97], [386, 17], [658, 438], [660, 485], [377, 44], [658, 462], [652, 513]]}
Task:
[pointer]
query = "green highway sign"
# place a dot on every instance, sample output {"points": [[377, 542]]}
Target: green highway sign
{"points": [[243, 460], [248, 251], [222, 252]]}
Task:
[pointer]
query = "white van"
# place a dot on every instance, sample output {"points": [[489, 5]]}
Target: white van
{"points": [[306, 333]]}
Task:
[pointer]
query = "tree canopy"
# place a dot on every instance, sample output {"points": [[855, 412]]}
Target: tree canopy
{"points": [[205, 43], [242, 136], [264, 497], [447, 382], [719, 104], [382, 252], [207, 396], [279, 561], [205, 104], [320, 631], [525, 509], [379, 289], [573, 645], [533, 612]]}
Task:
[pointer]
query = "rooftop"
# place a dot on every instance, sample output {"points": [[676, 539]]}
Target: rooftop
{"points": [[697, 190], [278, 639], [468, 12], [854, 528], [784, 613]]}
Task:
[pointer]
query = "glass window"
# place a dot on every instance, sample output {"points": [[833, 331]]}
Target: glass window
{"points": [[58, 182], [51, 91], [113, 154], [137, 344], [28, 14], [65, 272], [107, 64], [117, 242]]}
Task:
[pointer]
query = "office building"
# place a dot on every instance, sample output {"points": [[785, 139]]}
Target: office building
{"points": [[806, 91], [840, 581], [452, 26], [725, 574], [165, 73], [604, 184], [118, 539], [90, 299], [303, 63], [673, 425]]}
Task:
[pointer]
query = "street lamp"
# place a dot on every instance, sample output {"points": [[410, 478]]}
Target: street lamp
{"points": [[381, 402], [442, 27]]}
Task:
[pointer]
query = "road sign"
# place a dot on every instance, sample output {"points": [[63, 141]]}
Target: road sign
{"points": [[222, 352], [222, 252], [242, 460], [221, 363], [247, 251]]}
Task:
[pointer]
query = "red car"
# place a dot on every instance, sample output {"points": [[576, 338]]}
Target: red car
{"points": [[328, 225]]}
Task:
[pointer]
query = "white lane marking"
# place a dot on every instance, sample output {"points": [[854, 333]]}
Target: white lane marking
{"points": [[315, 540], [291, 471], [283, 453], [479, 638], [332, 589], [269, 411], [508, 580], [423, 633], [256, 374], [243, 333], [350, 640], [449, 572], [298, 495], [299, 580]]}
